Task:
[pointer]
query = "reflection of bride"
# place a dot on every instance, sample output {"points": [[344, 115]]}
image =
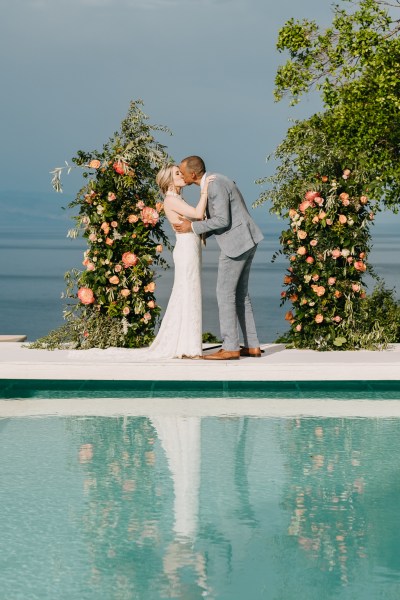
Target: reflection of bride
{"points": [[181, 440]]}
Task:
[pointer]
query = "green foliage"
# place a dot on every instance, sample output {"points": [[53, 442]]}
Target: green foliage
{"points": [[112, 302], [355, 65], [210, 338]]}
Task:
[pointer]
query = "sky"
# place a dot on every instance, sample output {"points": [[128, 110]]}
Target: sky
{"points": [[204, 68]]}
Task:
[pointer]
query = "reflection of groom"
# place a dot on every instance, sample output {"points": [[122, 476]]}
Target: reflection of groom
{"points": [[237, 236]]}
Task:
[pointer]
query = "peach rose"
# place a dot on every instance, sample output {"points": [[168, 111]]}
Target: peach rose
{"points": [[111, 196], [114, 223], [355, 287], [313, 243], [109, 241], [135, 289], [315, 277], [331, 280], [159, 248], [315, 219], [298, 327], [336, 253], [293, 298], [114, 280], [149, 216], [321, 215], [287, 279], [85, 295], [359, 265], [362, 255], [293, 258], [363, 295], [150, 287], [302, 250], [159, 207], [133, 218], [320, 290], [289, 316], [94, 164], [292, 213], [350, 260], [120, 167], [346, 173], [90, 266], [302, 234], [146, 317], [319, 201], [126, 310], [92, 237], [125, 292], [364, 200], [342, 219], [304, 205], [283, 294], [151, 304], [117, 268], [129, 259], [344, 196], [328, 221], [318, 318], [337, 294], [105, 227], [337, 319], [310, 260], [324, 178]]}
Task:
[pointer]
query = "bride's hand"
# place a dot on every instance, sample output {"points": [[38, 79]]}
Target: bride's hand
{"points": [[209, 179]]}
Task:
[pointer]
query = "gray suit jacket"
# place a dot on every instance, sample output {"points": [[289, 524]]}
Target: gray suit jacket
{"points": [[228, 218]]}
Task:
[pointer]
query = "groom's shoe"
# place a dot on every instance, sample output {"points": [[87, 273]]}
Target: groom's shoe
{"points": [[254, 352], [223, 355]]}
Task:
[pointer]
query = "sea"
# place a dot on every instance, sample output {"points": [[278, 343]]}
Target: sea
{"points": [[35, 254]]}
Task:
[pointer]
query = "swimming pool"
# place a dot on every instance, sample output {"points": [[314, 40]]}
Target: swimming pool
{"points": [[185, 506]]}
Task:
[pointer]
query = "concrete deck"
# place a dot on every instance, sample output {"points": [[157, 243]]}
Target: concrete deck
{"points": [[276, 364]]}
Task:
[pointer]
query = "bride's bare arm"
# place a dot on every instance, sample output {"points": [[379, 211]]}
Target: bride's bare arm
{"points": [[184, 209]]}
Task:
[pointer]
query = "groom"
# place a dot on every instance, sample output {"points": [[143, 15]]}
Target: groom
{"points": [[237, 236]]}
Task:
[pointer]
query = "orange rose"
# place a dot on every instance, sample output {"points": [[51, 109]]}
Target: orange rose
{"points": [[114, 280], [109, 241], [150, 287], [94, 164], [318, 318]]}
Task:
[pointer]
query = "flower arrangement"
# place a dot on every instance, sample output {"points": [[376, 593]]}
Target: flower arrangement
{"points": [[327, 245], [120, 216]]}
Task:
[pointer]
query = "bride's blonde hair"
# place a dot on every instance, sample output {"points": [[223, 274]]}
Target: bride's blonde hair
{"points": [[164, 178]]}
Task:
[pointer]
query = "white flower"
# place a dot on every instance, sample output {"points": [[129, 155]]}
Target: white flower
{"points": [[345, 252], [307, 278], [350, 222]]}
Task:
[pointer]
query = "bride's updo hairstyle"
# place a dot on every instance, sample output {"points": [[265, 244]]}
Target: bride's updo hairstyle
{"points": [[164, 178]]}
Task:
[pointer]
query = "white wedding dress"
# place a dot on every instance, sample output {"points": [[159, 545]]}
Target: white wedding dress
{"points": [[180, 333]]}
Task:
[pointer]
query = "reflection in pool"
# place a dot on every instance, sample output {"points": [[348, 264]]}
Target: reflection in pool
{"points": [[231, 508]]}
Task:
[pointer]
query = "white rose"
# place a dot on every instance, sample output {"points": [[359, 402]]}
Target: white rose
{"points": [[345, 252]]}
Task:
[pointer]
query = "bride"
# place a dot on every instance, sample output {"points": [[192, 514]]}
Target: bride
{"points": [[180, 333]]}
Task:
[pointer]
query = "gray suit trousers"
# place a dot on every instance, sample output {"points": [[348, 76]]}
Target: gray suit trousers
{"points": [[234, 302]]}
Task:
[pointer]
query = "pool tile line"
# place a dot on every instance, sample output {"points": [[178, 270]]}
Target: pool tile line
{"points": [[342, 389]]}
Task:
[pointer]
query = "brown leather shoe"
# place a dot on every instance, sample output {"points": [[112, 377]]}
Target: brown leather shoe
{"points": [[223, 355], [254, 352]]}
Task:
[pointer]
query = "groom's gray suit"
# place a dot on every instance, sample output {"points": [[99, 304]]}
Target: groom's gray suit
{"points": [[237, 236]]}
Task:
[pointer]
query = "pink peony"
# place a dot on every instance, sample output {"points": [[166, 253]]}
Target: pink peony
{"points": [[129, 259], [114, 280], [318, 318], [149, 216], [85, 295]]}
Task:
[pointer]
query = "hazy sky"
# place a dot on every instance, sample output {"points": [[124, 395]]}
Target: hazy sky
{"points": [[204, 68]]}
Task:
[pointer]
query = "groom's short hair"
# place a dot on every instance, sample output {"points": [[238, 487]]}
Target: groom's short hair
{"points": [[195, 164]]}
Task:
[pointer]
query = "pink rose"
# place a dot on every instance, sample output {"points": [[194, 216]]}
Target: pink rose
{"points": [[302, 234], [120, 167], [283, 294], [85, 295], [329, 221], [371, 216], [111, 196], [318, 318], [331, 280], [147, 317], [336, 253], [105, 227], [359, 265], [298, 327], [315, 277], [302, 250], [309, 260], [91, 266], [313, 243], [133, 219], [318, 200], [337, 319], [114, 280], [114, 223], [117, 268], [304, 205], [140, 204], [355, 287], [92, 237], [129, 259], [151, 304], [342, 219], [311, 195], [321, 215], [126, 310], [320, 290], [292, 213], [363, 199], [149, 216]]}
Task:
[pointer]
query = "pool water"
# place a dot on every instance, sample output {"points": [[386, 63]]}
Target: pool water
{"points": [[235, 508]]}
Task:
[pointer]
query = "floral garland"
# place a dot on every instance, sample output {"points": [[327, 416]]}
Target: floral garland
{"points": [[327, 245]]}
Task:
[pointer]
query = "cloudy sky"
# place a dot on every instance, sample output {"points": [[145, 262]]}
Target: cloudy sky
{"points": [[204, 68]]}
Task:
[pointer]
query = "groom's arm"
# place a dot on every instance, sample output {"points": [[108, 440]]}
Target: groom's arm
{"points": [[219, 202]]}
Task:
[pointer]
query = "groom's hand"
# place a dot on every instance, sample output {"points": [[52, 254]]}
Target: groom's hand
{"points": [[184, 226]]}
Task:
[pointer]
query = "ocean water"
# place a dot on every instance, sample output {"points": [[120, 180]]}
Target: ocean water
{"points": [[35, 253]]}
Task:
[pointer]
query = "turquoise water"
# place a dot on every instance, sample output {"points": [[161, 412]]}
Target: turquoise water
{"points": [[199, 507]]}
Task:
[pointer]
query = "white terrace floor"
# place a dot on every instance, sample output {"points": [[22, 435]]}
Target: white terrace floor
{"points": [[276, 364]]}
